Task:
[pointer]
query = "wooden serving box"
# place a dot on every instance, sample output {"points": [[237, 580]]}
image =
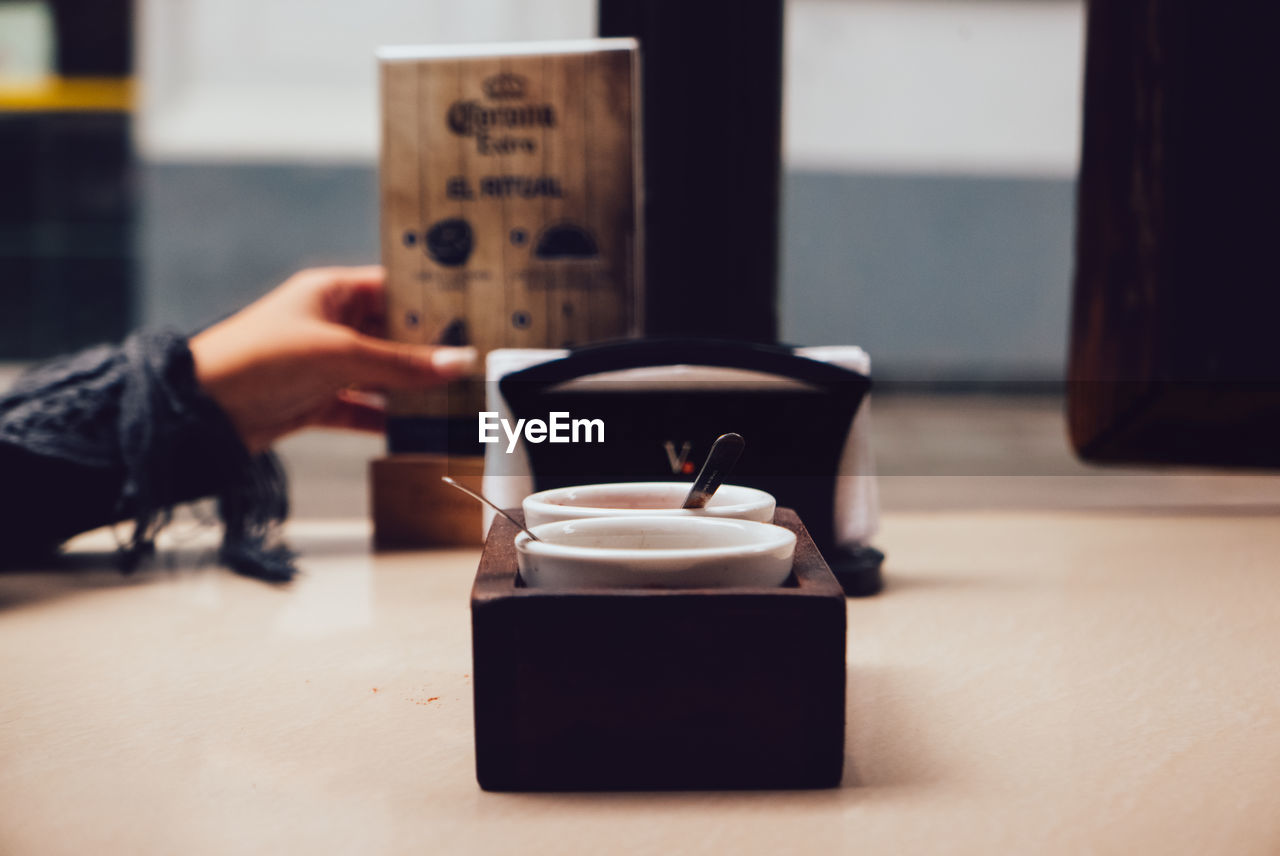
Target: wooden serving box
{"points": [[658, 689]]}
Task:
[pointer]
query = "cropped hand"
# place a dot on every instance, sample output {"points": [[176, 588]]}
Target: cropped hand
{"points": [[297, 356]]}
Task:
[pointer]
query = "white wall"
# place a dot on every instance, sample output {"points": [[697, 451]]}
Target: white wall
{"points": [[291, 80], [26, 41], [984, 87]]}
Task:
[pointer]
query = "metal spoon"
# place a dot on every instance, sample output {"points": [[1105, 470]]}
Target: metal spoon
{"points": [[720, 460], [471, 493]]}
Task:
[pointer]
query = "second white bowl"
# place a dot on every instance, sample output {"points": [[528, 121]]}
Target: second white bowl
{"points": [[643, 499]]}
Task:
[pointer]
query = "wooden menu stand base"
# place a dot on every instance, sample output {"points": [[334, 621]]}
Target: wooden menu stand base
{"points": [[411, 507]]}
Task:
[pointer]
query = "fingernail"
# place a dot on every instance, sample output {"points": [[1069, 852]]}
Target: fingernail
{"points": [[453, 362]]}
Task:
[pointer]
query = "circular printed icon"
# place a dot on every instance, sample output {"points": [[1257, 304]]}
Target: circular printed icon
{"points": [[410, 238], [449, 242], [521, 319]]}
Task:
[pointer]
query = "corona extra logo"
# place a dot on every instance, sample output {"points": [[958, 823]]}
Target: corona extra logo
{"points": [[471, 118]]}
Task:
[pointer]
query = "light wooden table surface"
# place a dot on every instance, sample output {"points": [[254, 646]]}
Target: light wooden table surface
{"points": [[1067, 682]]}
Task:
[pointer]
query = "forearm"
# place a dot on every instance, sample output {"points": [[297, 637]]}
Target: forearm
{"points": [[106, 435], [154, 424]]}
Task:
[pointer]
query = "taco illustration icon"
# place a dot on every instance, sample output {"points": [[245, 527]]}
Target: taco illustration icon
{"points": [[450, 242], [566, 241]]}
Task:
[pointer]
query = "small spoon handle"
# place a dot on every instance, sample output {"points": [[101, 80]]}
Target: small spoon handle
{"points": [[723, 455], [471, 493]]}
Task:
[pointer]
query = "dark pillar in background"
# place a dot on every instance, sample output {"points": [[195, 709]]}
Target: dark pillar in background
{"points": [[712, 121], [1174, 355]]}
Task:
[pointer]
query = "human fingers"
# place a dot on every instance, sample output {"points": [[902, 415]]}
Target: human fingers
{"points": [[397, 365], [375, 398], [352, 415], [344, 295], [354, 297], [338, 276]]}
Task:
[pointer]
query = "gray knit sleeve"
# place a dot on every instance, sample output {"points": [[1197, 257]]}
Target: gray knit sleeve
{"points": [[124, 433]]}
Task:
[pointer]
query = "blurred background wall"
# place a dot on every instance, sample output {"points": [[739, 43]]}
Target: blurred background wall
{"points": [[931, 148]]}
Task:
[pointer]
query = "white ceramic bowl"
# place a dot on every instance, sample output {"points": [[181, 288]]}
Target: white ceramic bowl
{"points": [[643, 499], [655, 552]]}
